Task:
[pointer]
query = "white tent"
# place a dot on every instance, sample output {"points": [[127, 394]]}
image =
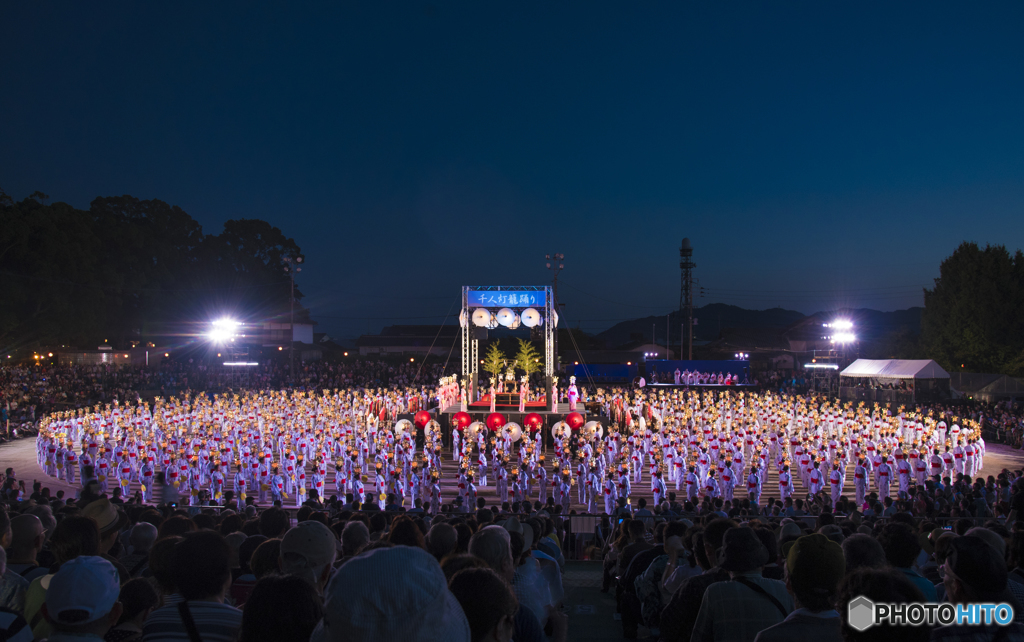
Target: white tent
{"points": [[895, 369]]}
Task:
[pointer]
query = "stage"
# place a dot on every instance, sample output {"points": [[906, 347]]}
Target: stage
{"points": [[701, 386], [507, 400], [480, 411]]}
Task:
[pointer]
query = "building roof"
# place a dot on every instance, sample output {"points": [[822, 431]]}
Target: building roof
{"points": [[750, 339], [420, 331], [418, 336], [895, 369]]}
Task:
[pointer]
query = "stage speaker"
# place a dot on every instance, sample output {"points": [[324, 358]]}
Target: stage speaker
{"points": [[480, 334]]}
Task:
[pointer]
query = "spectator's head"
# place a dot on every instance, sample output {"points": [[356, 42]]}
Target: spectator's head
{"points": [[833, 531], [767, 539], [637, 529], [202, 566], [491, 544], [138, 598], [176, 526], [246, 549], [900, 544], [273, 522], [464, 532], [880, 586], [281, 609], [45, 515], [452, 564], [266, 558], [714, 535], [863, 551], [441, 540], [405, 532], [161, 563], [355, 536], [308, 551], [814, 568], [109, 519], [82, 597], [5, 529], [990, 537], [974, 571], [231, 524], [742, 551], [402, 596], [378, 523], [142, 537], [235, 541], [488, 602], [27, 537], [75, 535]]}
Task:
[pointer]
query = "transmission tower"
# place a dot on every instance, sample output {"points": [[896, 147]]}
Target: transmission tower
{"points": [[686, 264]]}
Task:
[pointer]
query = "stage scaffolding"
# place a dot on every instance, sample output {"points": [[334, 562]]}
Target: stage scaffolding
{"points": [[472, 333]]}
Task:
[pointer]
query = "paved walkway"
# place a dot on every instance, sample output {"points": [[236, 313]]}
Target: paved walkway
{"points": [[591, 612]]}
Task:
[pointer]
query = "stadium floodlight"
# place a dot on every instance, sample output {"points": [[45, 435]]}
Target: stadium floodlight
{"points": [[844, 337], [223, 330], [842, 324]]}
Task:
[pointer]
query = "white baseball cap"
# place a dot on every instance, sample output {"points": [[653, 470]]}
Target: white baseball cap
{"points": [[87, 583], [396, 594]]}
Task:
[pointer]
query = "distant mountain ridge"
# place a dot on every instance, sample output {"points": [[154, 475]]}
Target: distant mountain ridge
{"points": [[714, 317]]}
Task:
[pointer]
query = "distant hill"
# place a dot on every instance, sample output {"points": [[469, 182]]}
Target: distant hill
{"points": [[712, 318]]}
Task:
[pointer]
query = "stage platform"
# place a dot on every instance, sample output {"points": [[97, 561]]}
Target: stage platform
{"points": [[701, 386], [507, 400], [561, 410]]}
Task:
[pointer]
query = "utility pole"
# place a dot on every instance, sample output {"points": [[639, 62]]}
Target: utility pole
{"points": [[686, 265], [554, 263], [290, 270]]}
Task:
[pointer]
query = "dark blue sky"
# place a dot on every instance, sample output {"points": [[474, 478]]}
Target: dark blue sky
{"points": [[817, 154]]}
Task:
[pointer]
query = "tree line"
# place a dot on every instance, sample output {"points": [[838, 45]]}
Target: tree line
{"points": [[127, 269], [974, 316]]}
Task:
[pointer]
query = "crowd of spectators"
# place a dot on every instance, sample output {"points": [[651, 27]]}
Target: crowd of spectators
{"points": [[99, 567], [28, 392], [102, 568], [785, 381], [721, 576]]}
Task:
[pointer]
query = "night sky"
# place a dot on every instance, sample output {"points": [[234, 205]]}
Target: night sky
{"points": [[817, 154]]}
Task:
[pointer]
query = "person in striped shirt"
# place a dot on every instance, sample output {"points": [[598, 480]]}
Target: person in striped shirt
{"points": [[202, 575]]}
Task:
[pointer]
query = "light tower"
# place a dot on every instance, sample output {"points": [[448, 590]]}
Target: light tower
{"points": [[554, 263], [686, 264], [291, 267]]}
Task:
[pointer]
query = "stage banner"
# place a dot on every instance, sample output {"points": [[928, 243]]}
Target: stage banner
{"points": [[505, 299]]}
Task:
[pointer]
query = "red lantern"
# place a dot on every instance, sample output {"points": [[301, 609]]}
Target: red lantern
{"points": [[461, 420], [421, 418], [575, 420], [496, 420], [533, 422]]}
